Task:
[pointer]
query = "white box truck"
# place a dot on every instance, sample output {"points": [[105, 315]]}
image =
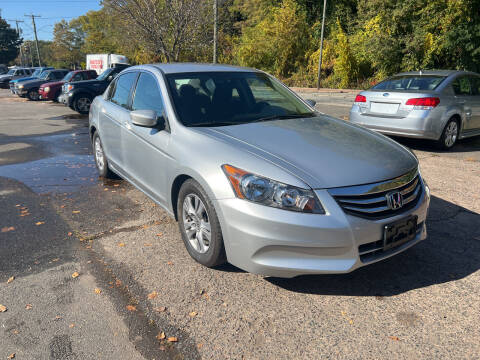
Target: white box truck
{"points": [[101, 62]]}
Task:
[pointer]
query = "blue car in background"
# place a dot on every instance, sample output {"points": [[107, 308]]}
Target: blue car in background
{"points": [[36, 74]]}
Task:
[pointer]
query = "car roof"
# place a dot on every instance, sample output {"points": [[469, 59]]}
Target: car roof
{"points": [[435, 72], [174, 68]]}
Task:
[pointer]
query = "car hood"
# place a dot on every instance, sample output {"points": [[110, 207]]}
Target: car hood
{"points": [[23, 79], [33, 83], [53, 84], [3, 77], [323, 152]]}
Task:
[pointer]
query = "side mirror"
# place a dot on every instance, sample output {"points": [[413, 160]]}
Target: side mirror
{"points": [[145, 118], [110, 78], [311, 102]]}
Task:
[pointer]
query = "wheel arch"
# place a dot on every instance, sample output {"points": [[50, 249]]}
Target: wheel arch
{"points": [[175, 190]]}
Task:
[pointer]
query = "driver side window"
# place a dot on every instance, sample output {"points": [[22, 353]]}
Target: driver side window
{"points": [[461, 86]]}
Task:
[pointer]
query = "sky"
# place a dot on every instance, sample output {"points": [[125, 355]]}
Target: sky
{"points": [[51, 12]]}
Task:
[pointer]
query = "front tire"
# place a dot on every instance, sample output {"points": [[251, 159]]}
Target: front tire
{"points": [[100, 159], [449, 135], [82, 103], [33, 95], [199, 225]]}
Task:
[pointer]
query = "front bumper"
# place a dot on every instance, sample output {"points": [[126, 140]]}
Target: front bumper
{"points": [[21, 92], [281, 243], [45, 95], [418, 124], [63, 99]]}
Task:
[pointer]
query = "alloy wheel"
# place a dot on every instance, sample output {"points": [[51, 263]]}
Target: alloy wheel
{"points": [[196, 223], [451, 133], [99, 155], [83, 104], [33, 95]]}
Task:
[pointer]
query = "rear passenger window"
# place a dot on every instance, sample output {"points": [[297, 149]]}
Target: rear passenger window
{"points": [[147, 95], [461, 86], [123, 86]]}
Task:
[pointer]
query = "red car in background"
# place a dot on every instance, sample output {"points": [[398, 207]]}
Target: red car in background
{"points": [[52, 90]]}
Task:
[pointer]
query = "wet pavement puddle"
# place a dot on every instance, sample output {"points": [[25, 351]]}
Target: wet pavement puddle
{"points": [[64, 173]]}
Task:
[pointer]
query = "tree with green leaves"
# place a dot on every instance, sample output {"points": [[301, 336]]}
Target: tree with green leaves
{"points": [[9, 42]]}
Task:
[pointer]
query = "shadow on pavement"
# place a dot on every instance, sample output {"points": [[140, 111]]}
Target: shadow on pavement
{"points": [[462, 146], [451, 252]]}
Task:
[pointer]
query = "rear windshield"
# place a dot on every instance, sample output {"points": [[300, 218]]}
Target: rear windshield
{"points": [[412, 82]]}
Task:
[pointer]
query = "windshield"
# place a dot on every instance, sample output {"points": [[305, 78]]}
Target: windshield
{"points": [[410, 82], [44, 75], [37, 73], [105, 74], [11, 72], [231, 98], [67, 77]]}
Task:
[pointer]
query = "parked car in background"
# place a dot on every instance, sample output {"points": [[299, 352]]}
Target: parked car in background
{"points": [[79, 96], [53, 90], [30, 88], [253, 174], [37, 73], [13, 74], [439, 105], [102, 62]]}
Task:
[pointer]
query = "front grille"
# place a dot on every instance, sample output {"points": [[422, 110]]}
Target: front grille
{"points": [[370, 201], [375, 250]]}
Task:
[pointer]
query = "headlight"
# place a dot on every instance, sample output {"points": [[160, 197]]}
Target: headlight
{"points": [[46, 89], [69, 87], [272, 193], [20, 86]]}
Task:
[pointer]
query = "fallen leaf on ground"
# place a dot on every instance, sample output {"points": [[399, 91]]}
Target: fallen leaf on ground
{"points": [[199, 346], [394, 338], [11, 356], [162, 348], [55, 260], [10, 279], [40, 223], [172, 339], [160, 309], [161, 336], [193, 314], [159, 234], [7, 229], [71, 326], [97, 291], [145, 226], [118, 283], [58, 317], [169, 262], [75, 275], [28, 306], [121, 245], [131, 308], [75, 211], [69, 233], [16, 332], [147, 244], [3, 308], [152, 295], [62, 206], [116, 185], [18, 205]]}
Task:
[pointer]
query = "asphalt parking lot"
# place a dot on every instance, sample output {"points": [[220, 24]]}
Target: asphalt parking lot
{"points": [[100, 272]]}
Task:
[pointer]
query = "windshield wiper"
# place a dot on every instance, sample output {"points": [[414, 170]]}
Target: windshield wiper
{"points": [[224, 123], [282, 117]]}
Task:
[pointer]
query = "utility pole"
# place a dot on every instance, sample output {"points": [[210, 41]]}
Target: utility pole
{"points": [[18, 32], [321, 44], [36, 38], [31, 52], [215, 30]]}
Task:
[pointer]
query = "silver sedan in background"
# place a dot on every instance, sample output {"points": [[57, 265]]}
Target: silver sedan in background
{"points": [[253, 174], [439, 105]]}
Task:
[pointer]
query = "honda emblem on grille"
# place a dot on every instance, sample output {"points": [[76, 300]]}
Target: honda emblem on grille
{"points": [[394, 200]]}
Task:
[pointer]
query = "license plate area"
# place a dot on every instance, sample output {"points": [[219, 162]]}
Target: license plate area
{"points": [[383, 108], [399, 232]]}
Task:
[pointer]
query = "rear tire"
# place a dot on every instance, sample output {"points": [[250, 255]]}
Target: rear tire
{"points": [[101, 160], [199, 225], [82, 103], [449, 135], [57, 95]]}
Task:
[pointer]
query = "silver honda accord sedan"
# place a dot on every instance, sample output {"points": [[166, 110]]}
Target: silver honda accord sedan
{"points": [[439, 105], [253, 174]]}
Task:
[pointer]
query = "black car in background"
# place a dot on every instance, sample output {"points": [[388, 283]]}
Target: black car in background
{"points": [[13, 74], [79, 95], [30, 88]]}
